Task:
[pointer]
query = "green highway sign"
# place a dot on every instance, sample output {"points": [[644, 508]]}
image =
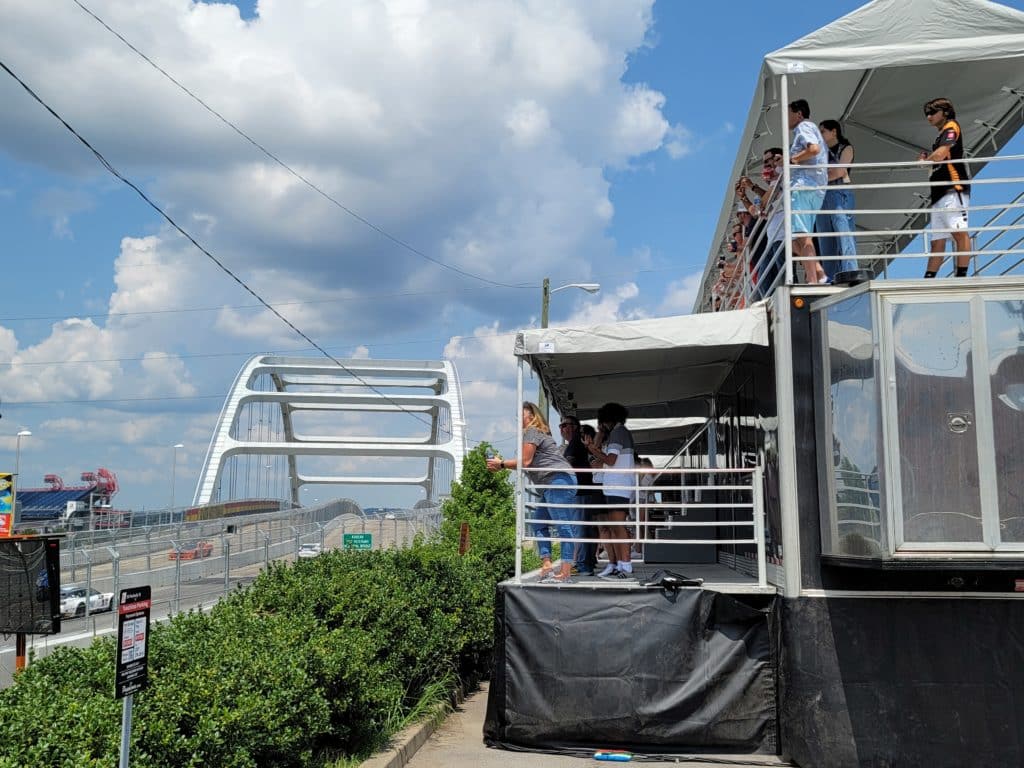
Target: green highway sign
{"points": [[357, 541]]}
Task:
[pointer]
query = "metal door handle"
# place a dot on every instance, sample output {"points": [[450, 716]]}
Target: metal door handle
{"points": [[958, 423]]}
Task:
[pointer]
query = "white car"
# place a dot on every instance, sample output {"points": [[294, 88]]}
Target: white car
{"points": [[72, 601], [307, 551]]}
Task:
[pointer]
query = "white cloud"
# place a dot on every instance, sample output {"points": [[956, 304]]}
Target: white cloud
{"points": [[528, 122], [678, 142], [487, 366], [478, 131], [680, 295]]}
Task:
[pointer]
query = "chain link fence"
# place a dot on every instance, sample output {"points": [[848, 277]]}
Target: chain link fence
{"points": [[194, 564]]}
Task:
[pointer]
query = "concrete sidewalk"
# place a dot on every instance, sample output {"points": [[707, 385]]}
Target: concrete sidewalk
{"points": [[458, 743]]}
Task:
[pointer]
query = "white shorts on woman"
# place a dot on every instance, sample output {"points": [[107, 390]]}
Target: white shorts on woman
{"points": [[949, 212]]}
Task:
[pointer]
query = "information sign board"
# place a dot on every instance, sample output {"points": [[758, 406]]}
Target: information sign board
{"points": [[132, 634], [357, 541]]}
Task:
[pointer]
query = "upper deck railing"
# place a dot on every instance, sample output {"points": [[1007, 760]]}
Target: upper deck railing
{"points": [[887, 239]]}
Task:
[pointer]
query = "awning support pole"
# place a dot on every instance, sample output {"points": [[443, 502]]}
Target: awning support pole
{"points": [[762, 568], [786, 202], [520, 526]]}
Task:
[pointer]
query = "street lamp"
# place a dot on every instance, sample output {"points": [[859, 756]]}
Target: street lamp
{"points": [[174, 472], [17, 468], [545, 300]]}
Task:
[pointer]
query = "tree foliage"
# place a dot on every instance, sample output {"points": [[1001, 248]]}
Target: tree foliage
{"points": [[325, 657]]}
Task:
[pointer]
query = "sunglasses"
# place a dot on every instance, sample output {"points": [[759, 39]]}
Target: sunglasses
{"points": [[930, 112], [565, 424], [771, 160]]}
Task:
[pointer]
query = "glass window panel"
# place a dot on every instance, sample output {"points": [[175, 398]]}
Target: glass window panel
{"points": [[1004, 322], [855, 429], [936, 422]]}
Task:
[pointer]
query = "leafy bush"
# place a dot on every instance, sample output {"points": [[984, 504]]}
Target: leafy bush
{"points": [[325, 657], [484, 500]]}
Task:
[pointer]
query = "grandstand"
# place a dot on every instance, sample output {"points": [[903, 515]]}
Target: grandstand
{"points": [[74, 506]]}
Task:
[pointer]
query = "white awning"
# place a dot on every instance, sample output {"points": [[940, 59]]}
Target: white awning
{"points": [[655, 367], [872, 70]]}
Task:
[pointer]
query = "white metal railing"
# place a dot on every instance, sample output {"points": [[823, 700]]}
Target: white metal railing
{"points": [[997, 237], [738, 495]]}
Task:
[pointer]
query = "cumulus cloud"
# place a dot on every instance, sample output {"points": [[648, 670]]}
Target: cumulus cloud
{"points": [[487, 367], [680, 295], [479, 132]]}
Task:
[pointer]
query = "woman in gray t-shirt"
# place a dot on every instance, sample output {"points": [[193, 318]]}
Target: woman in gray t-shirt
{"points": [[541, 452]]}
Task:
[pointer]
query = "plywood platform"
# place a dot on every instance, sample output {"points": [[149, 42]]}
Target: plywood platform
{"points": [[715, 576]]}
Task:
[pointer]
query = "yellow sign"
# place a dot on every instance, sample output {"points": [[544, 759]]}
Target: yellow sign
{"points": [[6, 504]]}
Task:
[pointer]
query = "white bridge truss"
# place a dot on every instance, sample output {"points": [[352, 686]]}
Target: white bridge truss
{"points": [[287, 388]]}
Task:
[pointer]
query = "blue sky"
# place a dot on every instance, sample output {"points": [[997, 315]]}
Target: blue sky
{"points": [[585, 141]]}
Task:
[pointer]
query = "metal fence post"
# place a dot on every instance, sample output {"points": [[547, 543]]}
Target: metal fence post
{"points": [[115, 566], [177, 574], [88, 580], [149, 564], [297, 535], [225, 546], [266, 547], [322, 529]]}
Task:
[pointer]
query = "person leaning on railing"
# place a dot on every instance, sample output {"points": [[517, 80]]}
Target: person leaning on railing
{"points": [[950, 201], [540, 450], [764, 243]]}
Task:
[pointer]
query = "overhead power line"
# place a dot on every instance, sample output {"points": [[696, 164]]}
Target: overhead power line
{"points": [[223, 267], [290, 303], [361, 219], [248, 353]]}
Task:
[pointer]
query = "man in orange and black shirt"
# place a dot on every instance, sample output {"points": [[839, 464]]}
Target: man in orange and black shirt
{"points": [[950, 200]]}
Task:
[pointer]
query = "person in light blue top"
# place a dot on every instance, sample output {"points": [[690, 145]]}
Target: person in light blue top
{"points": [[808, 156]]}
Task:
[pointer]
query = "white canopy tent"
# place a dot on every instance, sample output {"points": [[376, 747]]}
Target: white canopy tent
{"points": [[658, 368], [872, 70]]}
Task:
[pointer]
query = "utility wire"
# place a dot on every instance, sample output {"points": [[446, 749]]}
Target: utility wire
{"points": [[290, 303], [224, 268], [363, 220], [251, 353]]}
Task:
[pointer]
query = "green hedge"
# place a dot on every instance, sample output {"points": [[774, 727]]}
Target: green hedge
{"points": [[321, 659]]}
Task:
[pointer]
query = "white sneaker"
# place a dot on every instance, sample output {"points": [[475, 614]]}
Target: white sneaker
{"points": [[608, 571], [626, 568]]}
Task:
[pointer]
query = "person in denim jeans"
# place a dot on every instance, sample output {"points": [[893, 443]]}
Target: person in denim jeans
{"points": [[837, 198], [540, 451]]}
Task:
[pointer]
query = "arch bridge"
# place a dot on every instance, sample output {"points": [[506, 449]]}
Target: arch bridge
{"points": [[293, 421]]}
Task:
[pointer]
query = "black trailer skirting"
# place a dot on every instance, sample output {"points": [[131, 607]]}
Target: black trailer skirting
{"points": [[643, 669], [913, 681]]}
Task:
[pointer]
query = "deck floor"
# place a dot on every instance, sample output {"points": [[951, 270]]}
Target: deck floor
{"points": [[715, 576]]}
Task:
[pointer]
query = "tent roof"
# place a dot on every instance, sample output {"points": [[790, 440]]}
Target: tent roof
{"points": [[656, 367], [892, 33], [872, 70]]}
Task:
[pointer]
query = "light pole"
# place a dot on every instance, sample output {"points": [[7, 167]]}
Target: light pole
{"points": [[545, 300], [17, 468], [174, 472]]}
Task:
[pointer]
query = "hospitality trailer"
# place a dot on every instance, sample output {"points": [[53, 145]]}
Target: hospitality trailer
{"points": [[830, 568]]}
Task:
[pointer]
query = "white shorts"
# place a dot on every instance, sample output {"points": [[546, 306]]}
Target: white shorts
{"points": [[950, 212]]}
